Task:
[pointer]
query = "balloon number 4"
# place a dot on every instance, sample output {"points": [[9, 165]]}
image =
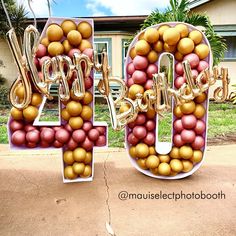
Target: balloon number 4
{"points": [[62, 41], [184, 155]]}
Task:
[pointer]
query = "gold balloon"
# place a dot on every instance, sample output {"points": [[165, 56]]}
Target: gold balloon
{"points": [[152, 162], [172, 173], [197, 156], [196, 36], [84, 44], [164, 158], [67, 26], [74, 108], [142, 150], [135, 89], [200, 98], [20, 92], [132, 152], [87, 172], [16, 114], [199, 111], [78, 168], [88, 158], [188, 166], [152, 150], [55, 48], [79, 154], [88, 98], [86, 113], [151, 113], [185, 46], [176, 165], [188, 107], [76, 122], [177, 112], [171, 36], [164, 169], [124, 107], [67, 46], [158, 46], [132, 53], [162, 29], [186, 152], [154, 171], [74, 37], [65, 114], [183, 30], [141, 36], [169, 48], [179, 56], [54, 32], [36, 99], [68, 157], [45, 42], [69, 173], [142, 47], [152, 56], [30, 113], [85, 29], [151, 35], [174, 153], [202, 50], [142, 164]]}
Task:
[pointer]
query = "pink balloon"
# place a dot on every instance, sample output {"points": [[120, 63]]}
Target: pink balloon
{"points": [[202, 66], [16, 125], [47, 135], [179, 68], [87, 144], [43, 59], [62, 135], [188, 136], [101, 141], [139, 77], [29, 127], [189, 121], [150, 125], [198, 143], [88, 52], [130, 68], [178, 142], [72, 51], [179, 81], [31, 145], [130, 82], [33, 136], [140, 132], [18, 137], [72, 144], [79, 135], [57, 144], [200, 127], [44, 144], [101, 130], [152, 69], [140, 62], [141, 119], [93, 134], [149, 139], [68, 128], [132, 139], [42, 50], [148, 84], [56, 128], [88, 81], [178, 126], [193, 59], [131, 125], [87, 126], [194, 74]]}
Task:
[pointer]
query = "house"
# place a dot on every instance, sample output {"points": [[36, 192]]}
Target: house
{"points": [[112, 32]]}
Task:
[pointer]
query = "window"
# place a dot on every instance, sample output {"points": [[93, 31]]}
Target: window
{"points": [[231, 45], [124, 54], [101, 44]]}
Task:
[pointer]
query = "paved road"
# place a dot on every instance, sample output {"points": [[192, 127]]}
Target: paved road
{"points": [[34, 201]]}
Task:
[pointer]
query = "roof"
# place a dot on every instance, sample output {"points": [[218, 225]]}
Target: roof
{"points": [[197, 3]]}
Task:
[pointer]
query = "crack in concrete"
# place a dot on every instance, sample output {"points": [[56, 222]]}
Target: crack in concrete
{"points": [[108, 196]]}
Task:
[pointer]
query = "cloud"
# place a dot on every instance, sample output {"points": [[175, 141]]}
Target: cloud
{"points": [[40, 7], [127, 7], [94, 9]]}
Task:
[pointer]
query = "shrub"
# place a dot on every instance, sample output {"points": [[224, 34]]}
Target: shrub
{"points": [[4, 98]]}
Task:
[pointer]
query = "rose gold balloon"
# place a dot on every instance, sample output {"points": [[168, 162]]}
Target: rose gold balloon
{"points": [[152, 69], [179, 68], [72, 144], [189, 121], [202, 66], [18, 138], [150, 125], [72, 51], [149, 84], [88, 82], [101, 130], [16, 125], [140, 62], [141, 119], [93, 134], [33, 136], [200, 127], [140, 132], [188, 136], [139, 77], [79, 135], [130, 82], [149, 139], [87, 144], [87, 126], [68, 128], [89, 53], [132, 139], [178, 140], [29, 127], [42, 50], [47, 135], [62, 135], [179, 81], [178, 126], [44, 144], [101, 141], [130, 68], [193, 59], [198, 143], [57, 144]]}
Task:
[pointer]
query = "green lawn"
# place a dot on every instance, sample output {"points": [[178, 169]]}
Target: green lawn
{"points": [[222, 121]]}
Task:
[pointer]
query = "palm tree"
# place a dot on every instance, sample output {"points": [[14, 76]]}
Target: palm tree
{"points": [[179, 11]]}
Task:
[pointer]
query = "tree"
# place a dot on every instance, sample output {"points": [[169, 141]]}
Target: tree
{"points": [[17, 14], [179, 11]]}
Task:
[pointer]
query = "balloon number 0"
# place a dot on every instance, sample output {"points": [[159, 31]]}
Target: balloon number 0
{"points": [[64, 57], [184, 155]]}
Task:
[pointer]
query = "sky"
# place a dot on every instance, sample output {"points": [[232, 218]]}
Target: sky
{"points": [[80, 8]]}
